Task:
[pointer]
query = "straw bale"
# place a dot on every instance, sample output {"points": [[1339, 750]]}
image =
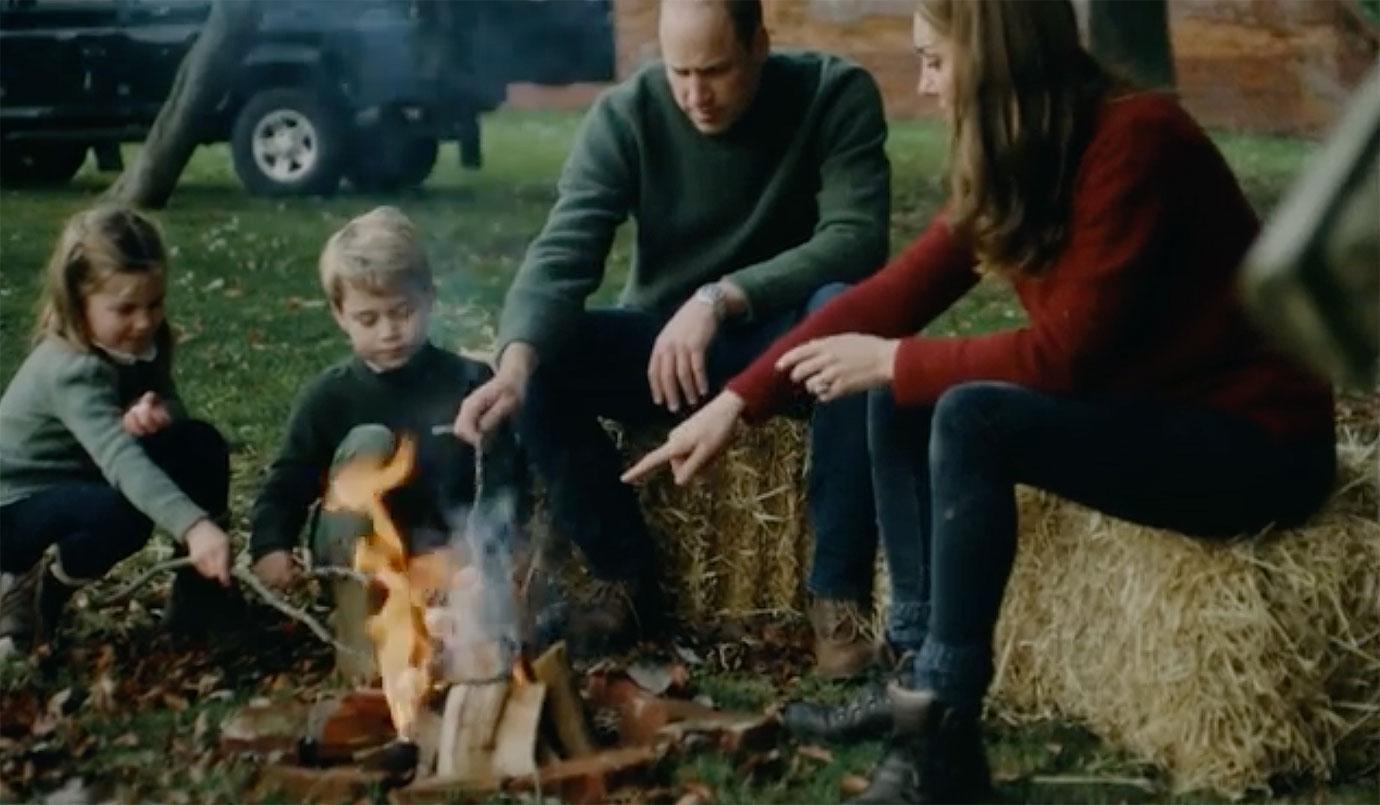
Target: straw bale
{"points": [[1226, 664]]}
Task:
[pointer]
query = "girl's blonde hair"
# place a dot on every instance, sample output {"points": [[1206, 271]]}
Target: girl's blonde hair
{"points": [[94, 245], [1024, 96]]}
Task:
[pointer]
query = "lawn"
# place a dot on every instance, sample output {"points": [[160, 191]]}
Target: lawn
{"points": [[130, 715]]}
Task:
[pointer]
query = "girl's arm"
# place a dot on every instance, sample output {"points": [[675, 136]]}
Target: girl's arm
{"points": [[84, 399]]}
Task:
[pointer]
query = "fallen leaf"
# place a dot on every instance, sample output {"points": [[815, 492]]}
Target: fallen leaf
{"points": [[72, 792], [688, 655], [657, 678], [851, 785], [128, 740], [814, 752]]}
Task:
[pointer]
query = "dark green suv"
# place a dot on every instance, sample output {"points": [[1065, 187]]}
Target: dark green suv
{"points": [[330, 89]]}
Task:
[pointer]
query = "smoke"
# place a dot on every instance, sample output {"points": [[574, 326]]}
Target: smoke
{"points": [[477, 626]]}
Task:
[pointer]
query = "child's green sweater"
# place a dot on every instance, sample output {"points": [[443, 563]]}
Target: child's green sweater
{"points": [[60, 423]]}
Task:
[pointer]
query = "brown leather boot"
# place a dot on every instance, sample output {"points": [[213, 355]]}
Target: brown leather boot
{"points": [[842, 646]]}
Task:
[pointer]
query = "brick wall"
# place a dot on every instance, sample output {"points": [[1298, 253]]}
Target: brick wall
{"points": [[1261, 65]]}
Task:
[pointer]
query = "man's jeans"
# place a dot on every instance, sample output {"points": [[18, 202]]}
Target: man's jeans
{"points": [[946, 478], [602, 372]]}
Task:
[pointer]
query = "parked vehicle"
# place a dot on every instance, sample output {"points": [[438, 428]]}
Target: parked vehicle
{"points": [[329, 89]]}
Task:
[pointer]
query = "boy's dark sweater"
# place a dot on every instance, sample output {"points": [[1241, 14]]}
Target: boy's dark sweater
{"points": [[412, 399]]}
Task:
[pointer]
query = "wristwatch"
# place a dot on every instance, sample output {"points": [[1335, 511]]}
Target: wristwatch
{"points": [[713, 294]]}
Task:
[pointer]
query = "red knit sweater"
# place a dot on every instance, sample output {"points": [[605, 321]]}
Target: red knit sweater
{"points": [[1142, 300]]}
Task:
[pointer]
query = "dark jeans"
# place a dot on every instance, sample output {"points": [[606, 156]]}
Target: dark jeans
{"points": [[603, 373], [94, 526], [946, 481]]}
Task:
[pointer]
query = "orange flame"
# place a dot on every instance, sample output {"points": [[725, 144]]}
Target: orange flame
{"points": [[402, 646]]}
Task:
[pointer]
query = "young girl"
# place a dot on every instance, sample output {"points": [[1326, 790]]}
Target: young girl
{"points": [[1138, 386], [95, 448]]}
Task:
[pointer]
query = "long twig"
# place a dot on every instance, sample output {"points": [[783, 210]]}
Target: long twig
{"points": [[251, 581], [248, 579], [1087, 779]]}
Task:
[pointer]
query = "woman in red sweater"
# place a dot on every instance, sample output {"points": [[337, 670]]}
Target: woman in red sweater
{"points": [[1138, 387]]}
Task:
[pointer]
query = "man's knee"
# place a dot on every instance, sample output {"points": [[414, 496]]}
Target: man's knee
{"points": [[825, 295], [365, 441]]}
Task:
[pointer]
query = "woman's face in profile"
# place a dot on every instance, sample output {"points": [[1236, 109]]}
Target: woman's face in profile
{"points": [[936, 64]]}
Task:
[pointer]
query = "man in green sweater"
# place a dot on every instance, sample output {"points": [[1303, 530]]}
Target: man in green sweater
{"points": [[758, 183]]}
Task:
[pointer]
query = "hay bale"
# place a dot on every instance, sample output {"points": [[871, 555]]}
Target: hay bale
{"points": [[1225, 664]]}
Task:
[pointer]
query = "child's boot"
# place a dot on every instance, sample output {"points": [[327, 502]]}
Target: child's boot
{"points": [[18, 592], [198, 606]]}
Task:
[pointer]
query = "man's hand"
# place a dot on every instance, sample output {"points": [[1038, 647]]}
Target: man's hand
{"points": [[209, 549], [491, 404], [277, 569], [693, 443], [840, 365], [147, 416], [677, 370]]}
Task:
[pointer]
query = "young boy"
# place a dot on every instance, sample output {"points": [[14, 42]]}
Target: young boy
{"points": [[378, 282]]}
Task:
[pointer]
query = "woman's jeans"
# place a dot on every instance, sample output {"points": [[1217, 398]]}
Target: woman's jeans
{"points": [[946, 476], [94, 526], [603, 373]]}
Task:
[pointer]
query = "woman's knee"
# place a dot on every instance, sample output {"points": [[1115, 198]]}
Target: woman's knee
{"points": [[972, 416]]}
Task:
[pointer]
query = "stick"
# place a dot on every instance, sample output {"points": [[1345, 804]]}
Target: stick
{"points": [[247, 578], [1087, 779], [127, 592]]}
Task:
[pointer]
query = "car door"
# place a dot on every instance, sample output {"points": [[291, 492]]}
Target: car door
{"points": [[55, 60]]}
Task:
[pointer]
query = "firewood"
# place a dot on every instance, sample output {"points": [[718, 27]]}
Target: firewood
{"points": [[485, 705], [340, 726], [589, 778], [563, 701], [515, 743]]}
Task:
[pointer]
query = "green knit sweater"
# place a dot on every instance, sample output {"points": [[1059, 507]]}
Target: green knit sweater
{"points": [[794, 196], [60, 422]]}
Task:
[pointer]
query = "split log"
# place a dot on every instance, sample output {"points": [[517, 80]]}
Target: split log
{"points": [[563, 703], [264, 727], [585, 779], [341, 726], [337, 784], [515, 743]]}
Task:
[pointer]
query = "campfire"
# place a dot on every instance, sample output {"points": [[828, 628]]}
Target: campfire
{"points": [[461, 710]]}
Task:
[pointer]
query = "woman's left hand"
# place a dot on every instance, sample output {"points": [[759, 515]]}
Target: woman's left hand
{"points": [[840, 365]]}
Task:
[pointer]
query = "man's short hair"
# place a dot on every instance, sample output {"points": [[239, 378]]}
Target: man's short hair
{"points": [[747, 19], [745, 15], [379, 252]]}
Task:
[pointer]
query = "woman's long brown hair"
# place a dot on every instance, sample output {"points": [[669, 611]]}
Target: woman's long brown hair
{"points": [[1024, 96]]}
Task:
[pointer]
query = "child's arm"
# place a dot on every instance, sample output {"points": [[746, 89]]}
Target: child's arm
{"points": [[85, 401], [295, 479]]}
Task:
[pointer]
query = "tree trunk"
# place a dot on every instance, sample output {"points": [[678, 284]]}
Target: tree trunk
{"points": [[1131, 37], [202, 80]]}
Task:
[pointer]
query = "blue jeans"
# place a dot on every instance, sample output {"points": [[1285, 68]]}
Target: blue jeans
{"points": [[946, 480], [94, 526], [603, 373]]}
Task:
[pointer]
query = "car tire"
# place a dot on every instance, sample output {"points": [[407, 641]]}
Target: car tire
{"points": [[387, 157], [38, 163], [289, 142]]}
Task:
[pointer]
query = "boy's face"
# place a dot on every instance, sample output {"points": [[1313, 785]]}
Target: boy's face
{"points": [[385, 330]]}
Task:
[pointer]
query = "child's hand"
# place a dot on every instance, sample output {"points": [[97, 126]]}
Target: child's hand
{"points": [[147, 416], [209, 549], [276, 569]]}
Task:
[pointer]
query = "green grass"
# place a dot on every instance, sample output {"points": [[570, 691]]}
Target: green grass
{"points": [[245, 301]]}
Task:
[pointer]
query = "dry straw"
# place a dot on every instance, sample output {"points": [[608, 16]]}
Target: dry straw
{"points": [[1228, 665]]}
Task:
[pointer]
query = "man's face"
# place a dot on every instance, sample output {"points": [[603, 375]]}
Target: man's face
{"points": [[713, 76], [385, 330]]}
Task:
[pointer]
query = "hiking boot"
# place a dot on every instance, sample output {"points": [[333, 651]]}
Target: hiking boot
{"points": [[18, 596], [933, 755], [867, 715], [842, 649]]}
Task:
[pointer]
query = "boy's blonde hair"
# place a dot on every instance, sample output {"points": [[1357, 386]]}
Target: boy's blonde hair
{"points": [[95, 244], [378, 252]]}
